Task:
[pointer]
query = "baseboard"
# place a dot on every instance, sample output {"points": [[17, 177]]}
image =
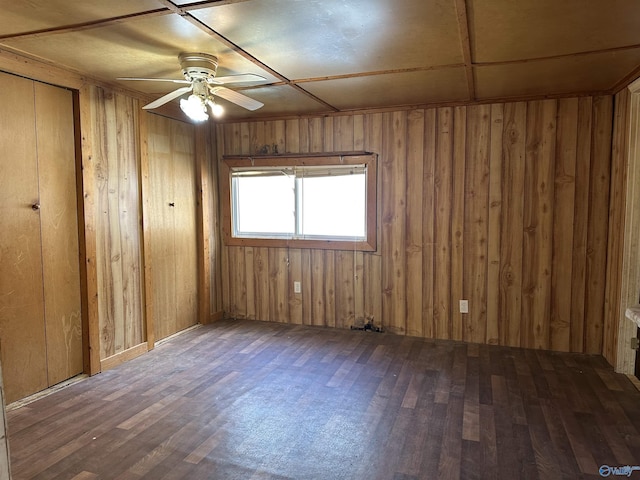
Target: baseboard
{"points": [[119, 358], [214, 317]]}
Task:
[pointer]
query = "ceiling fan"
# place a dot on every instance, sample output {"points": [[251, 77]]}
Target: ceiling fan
{"points": [[199, 70]]}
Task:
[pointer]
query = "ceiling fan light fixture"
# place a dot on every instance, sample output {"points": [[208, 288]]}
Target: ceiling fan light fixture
{"points": [[199, 70], [195, 108], [216, 109]]}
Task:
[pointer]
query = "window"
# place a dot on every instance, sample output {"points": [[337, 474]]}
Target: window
{"points": [[314, 202]]}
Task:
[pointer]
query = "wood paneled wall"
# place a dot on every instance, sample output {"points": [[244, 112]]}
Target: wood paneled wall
{"points": [[615, 254], [171, 255], [623, 273], [505, 205], [209, 237], [115, 148], [111, 172]]}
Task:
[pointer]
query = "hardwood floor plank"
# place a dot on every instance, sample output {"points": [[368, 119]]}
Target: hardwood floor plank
{"points": [[85, 476], [252, 400], [471, 461], [488, 444], [579, 444], [567, 464]]}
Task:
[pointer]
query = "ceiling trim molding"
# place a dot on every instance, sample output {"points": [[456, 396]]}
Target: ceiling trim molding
{"points": [[557, 57], [379, 72], [465, 44], [627, 81], [78, 27]]}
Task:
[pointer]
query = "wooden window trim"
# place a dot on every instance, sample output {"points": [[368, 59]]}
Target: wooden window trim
{"points": [[293, 160]]}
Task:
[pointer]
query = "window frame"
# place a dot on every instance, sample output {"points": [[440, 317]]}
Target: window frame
{"points": [[302, 160]]}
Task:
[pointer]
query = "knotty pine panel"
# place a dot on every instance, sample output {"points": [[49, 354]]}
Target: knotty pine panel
{"points": [[512, 228], [115, 162], [583, 172], [598, 230], [538, 223], [505, 205]]}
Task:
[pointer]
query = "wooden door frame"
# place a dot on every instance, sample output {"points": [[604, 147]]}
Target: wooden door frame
{"points": [[630, 274]]}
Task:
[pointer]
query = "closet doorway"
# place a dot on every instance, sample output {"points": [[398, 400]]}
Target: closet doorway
{"points": [[40, 294]]}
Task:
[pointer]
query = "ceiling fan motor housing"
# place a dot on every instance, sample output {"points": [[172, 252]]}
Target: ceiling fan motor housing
{"points": [[198, 65]]}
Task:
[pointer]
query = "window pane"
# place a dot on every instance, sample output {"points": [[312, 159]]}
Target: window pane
{"points": [[264, 205], [334, 206]]}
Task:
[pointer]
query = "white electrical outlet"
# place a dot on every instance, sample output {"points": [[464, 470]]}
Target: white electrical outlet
{"points": [[297, 288], [464, 306]]}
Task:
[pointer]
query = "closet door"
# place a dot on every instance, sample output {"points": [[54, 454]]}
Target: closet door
{"points": [[40, 324], [184, 222], [160, 227], [59, 224], [22, 335], [172, 225]]}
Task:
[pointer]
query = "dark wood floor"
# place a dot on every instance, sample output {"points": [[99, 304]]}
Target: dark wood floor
{"points": [[251, 400]]}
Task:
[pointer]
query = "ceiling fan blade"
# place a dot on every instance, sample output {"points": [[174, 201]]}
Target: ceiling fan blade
{"points": [[173, 80], [237, 98], [245, 77], [167, 98]]}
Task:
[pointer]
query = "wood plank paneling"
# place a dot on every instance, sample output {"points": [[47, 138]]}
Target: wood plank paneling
{"points": [[205, 220], [393, 248], [457, 221], [414, 236], [428, 224], [249, 284], [261, 274], [238, 282], [117, 209], [625, 250], [172, 225], [373, 261], [495, 223], [597, 231], [278, 259], [329, 288], [538, 223], [443, 208], [345, 288], [88, 166], [512, 233], [295, 299], [491, 203], [476, 214], [317, 288], [617, 204], [214, 222], [579, 252], [564, 198]]}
